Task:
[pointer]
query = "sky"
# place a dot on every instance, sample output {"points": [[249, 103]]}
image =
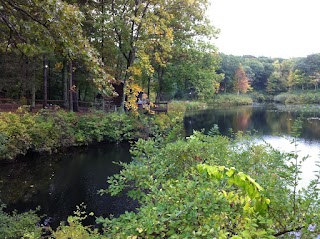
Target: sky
{"points": [[271, 28]]}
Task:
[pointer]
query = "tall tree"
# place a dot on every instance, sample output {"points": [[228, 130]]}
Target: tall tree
{"points": [[277, 81], [192, 73], [229, 64], [241, 82], [142, 33], [36, 27]]}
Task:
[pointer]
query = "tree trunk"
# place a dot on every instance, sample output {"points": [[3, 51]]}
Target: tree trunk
{"points": [[45, 82], [148, 92], [160, 79], [33, 89], [130, 61], [102, 37], [49, 79], [75, 94], [33, 94], [70, 86], [65, 84], [27, 76]]}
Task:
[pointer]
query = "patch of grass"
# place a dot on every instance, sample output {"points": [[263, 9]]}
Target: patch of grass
{"points": [[231, 99], [298, 97]]}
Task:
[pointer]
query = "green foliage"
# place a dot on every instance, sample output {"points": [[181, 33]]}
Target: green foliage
{"points": [[195, 76], [48, 131], [260, 97], [99, 126], [75, 229], [184, 194], [19, 225]]}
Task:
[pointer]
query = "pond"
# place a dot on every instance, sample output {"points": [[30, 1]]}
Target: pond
{"points": [[60, 182], [271, 124]]}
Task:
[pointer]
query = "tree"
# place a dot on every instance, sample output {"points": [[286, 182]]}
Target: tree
{"points": [[308, 65], [241, 82], [192, 73], [35, 27], [277, 81], [315, 80], [299, 79], [142, 35], [260, 69], [229, 64]]}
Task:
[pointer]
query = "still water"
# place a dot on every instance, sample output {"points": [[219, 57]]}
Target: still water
{"points": [[58, 183], [272, 124]]}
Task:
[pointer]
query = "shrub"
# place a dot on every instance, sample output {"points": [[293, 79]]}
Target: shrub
{"points": [[281, 98], [184, 194], [19, 225], [258, 97], [292, 99], [47, 131]]}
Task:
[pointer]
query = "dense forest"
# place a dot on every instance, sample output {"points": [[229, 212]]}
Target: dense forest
{"points": [[81, 48]]}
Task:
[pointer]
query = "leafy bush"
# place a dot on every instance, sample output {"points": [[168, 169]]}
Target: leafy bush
{"points": [[184, 194], [15, 137], [47, 131], [75, 228], [292, 99], [19, 225], [259, 97], [281, 98]]}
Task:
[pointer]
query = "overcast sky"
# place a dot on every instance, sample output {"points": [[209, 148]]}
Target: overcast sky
{"points": [[272, 28]]}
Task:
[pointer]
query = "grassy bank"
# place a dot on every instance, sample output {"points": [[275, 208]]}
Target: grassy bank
{"points": [[231, 100], [298, 97], [218, 100]]}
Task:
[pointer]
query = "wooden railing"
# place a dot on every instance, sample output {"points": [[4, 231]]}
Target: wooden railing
{"points": [[9, 104]]}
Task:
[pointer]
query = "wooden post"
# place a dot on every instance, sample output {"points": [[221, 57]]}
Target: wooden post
{"points": [[70, 86], [45, 82], [65, 84]]}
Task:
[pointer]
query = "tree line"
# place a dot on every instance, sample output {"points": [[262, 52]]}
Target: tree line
{"points": [[269, 75]]}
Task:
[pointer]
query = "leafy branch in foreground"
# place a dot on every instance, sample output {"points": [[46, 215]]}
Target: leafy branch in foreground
{"points": [[183, 193]]}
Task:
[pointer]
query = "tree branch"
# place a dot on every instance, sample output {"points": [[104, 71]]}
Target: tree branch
{"points": [[287, 231], [26, 13]]}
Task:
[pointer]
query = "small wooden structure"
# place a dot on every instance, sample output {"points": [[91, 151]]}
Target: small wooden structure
{"points": [[160, 107]]}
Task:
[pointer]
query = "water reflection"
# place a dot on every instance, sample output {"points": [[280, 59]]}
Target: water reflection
{"points": [[265, 119], [272, 123], [310, 150], [61, 182]]}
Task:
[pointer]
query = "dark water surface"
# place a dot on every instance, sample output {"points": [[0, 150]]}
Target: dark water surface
{"points": [[58, 183]]}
